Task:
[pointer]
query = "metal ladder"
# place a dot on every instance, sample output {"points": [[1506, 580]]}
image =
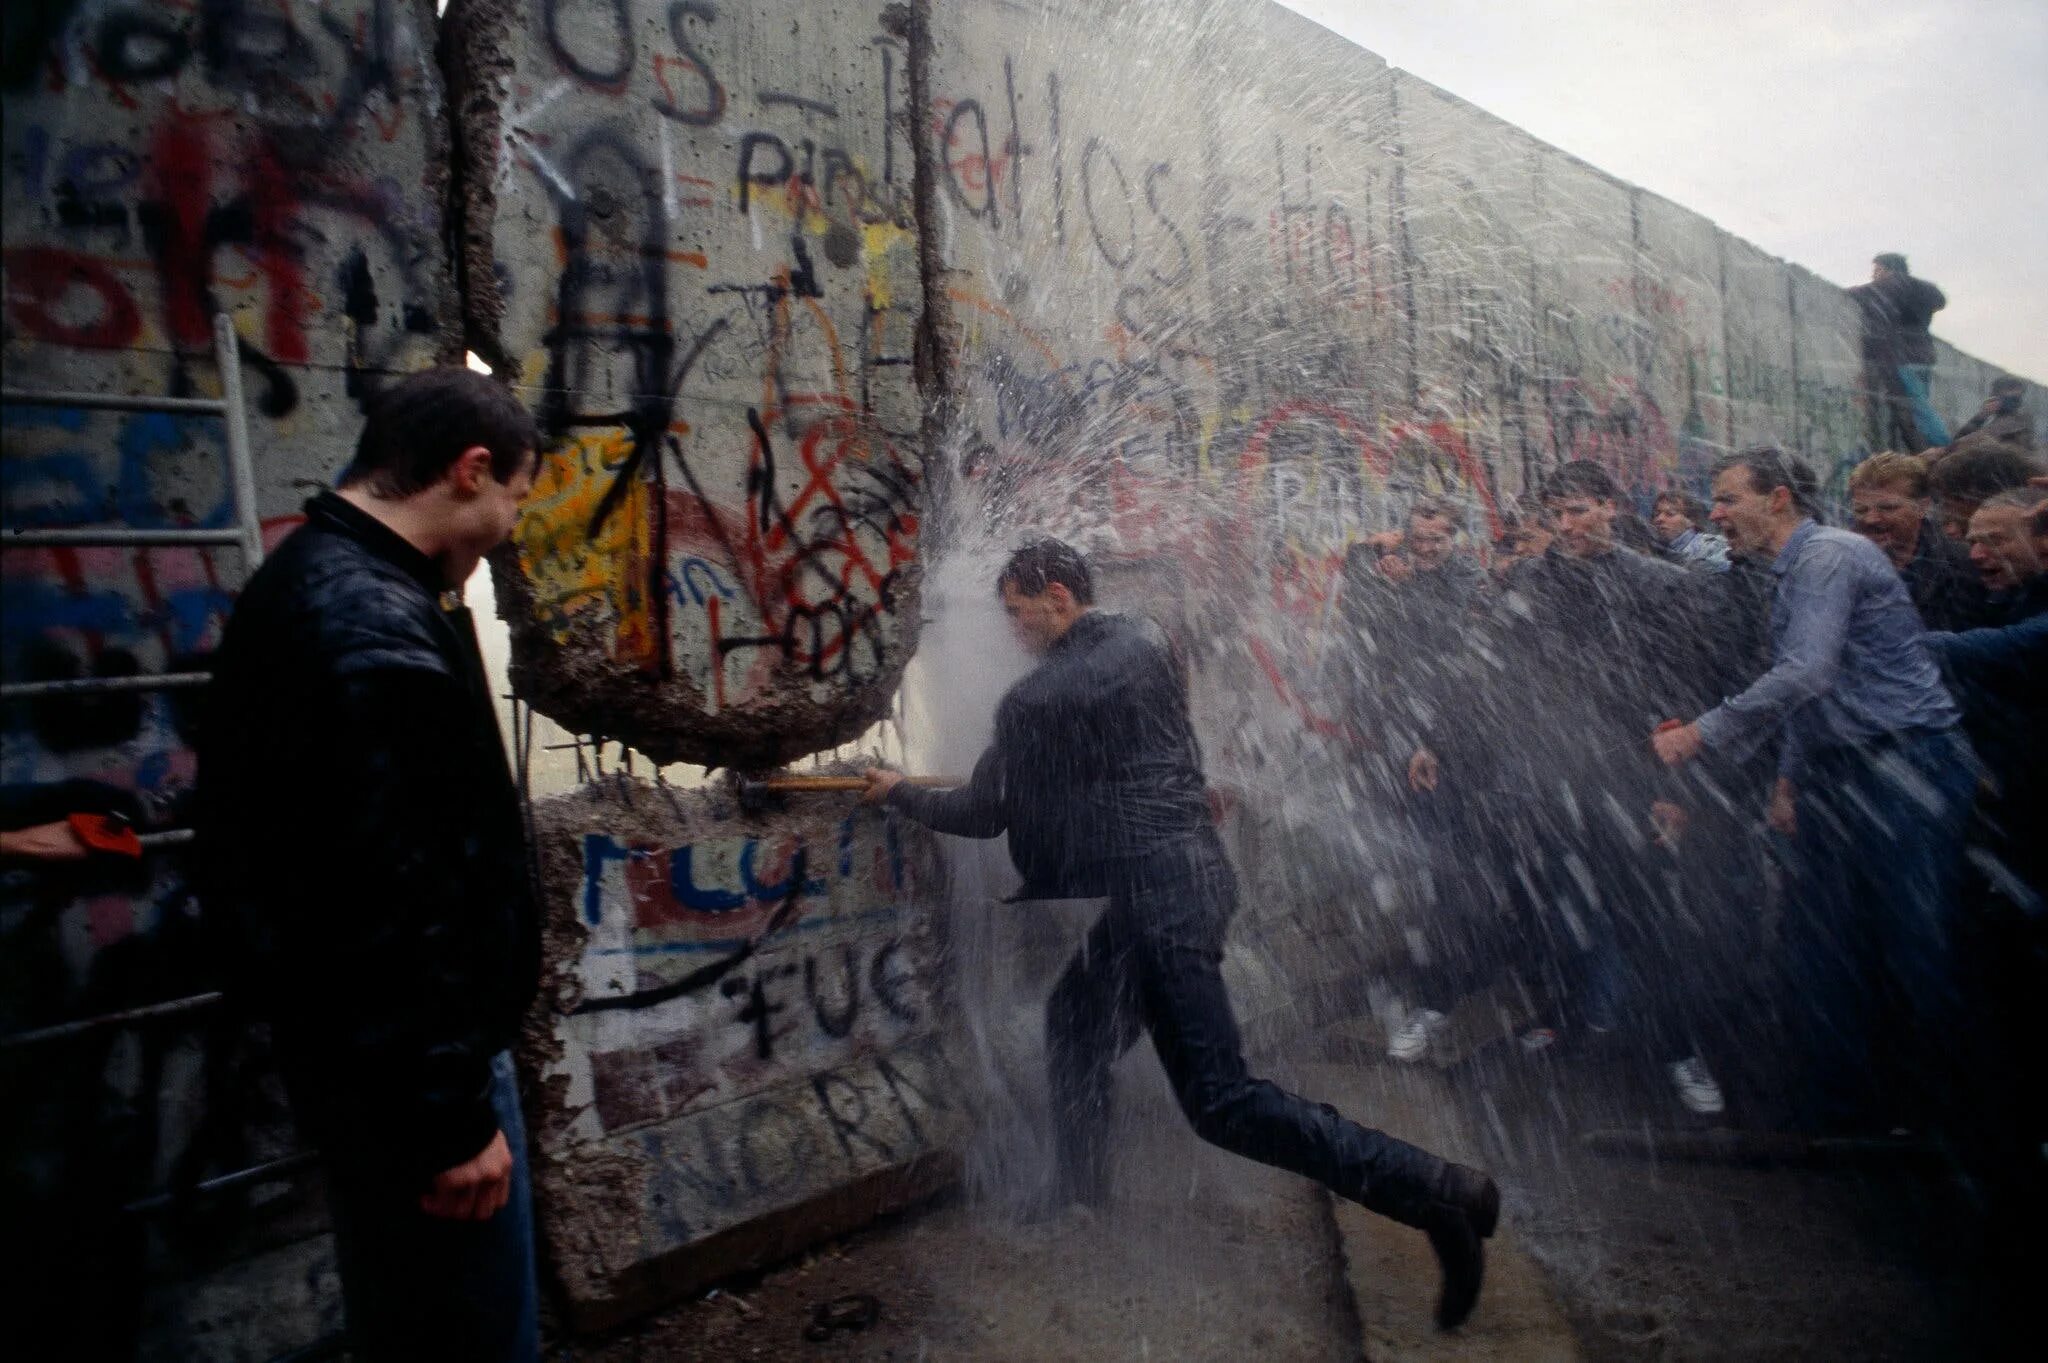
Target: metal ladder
{"points": [[246, 535]]}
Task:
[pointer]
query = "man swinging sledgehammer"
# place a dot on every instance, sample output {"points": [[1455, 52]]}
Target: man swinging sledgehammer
{"points": [[1096, 778]]}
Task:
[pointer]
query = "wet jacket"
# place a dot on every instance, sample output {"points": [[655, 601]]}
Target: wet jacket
{"points": [[1999, 675], [1597, 652], [1945, 586], [2007, 426], [1094, 768], [1406, 657], [1896, 313], [363, 844]]}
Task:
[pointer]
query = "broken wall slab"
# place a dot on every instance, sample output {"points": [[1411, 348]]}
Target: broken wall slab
{"points": [[740, 1048], [689, 241]]}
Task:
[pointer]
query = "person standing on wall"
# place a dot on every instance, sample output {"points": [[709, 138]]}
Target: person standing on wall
{"points": [[1096, 777], [365, 858], [1874, 791], [1898, 353]]}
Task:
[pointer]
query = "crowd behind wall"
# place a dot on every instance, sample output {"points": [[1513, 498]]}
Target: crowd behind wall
{"points": [[1231, 305]]}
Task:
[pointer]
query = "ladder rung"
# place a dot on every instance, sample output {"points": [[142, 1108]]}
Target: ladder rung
{"points": [[115, 402], [58, 539], [161, 681], [126, 1017]]}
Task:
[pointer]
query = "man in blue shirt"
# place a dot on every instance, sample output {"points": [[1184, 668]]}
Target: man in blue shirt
{"points": [[1874, 778]]}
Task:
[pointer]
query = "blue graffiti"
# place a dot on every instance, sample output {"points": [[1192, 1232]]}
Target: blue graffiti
{"points": [[686, 580], [600, 851], [63, 486]]}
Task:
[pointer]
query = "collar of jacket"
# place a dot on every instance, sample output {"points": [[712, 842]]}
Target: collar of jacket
{"points": [[2027, 600], [1087, 627], [337, 514]]}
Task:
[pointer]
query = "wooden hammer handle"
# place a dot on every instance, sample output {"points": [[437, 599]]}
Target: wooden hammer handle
{"points": [[789, 785]]}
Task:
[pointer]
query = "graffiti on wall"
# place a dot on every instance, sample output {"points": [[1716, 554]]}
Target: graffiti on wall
{"points": [[719, 337]]}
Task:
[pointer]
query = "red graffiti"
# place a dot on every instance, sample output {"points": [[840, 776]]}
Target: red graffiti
{"points": [[44, 283], [182, 160]]}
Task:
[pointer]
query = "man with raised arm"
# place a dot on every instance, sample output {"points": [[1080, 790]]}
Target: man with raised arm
{"points": [[1874, 785]]}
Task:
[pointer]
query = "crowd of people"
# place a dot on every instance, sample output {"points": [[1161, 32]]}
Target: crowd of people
{"points": [[1626, 738]]}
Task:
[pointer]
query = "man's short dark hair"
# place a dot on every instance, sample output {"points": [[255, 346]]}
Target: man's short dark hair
{"points": [[1581, 478], [1770, 468], [1034, 569], [1891, 260], [416, 428], [1981, 472], [2006, 386]]}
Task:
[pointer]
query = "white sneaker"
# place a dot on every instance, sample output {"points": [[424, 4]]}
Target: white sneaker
{"points": [[1410, 1041], [1696, 1086]]}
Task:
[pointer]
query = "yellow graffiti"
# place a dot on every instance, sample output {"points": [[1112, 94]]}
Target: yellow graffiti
{"points": [[575, 572]]}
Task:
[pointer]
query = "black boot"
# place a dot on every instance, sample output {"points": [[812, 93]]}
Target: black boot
{"points": [[1463, 1214], [1457, 1207]]}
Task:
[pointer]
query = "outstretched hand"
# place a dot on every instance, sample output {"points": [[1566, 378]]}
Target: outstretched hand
{"points": [[1676, 745]]}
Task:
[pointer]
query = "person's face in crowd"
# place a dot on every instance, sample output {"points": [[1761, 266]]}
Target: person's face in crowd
{"points": [[2004, 547], [1669, 520], [1747, 517], [1429, 542], [1038, 621], [1954, 514], [1585, 525], [1889, 518]]}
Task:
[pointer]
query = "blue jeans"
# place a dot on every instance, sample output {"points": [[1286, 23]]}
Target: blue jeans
{"points": [[1152, 963], [417, 1287], [1869, 926], [1913, 379]]}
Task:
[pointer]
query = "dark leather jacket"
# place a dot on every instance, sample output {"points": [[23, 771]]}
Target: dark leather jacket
{"points": [[363, 846], [1896, 314], [1944, 584], [1094, 770]]}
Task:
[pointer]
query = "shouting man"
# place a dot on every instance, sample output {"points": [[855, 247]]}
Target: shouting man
{"points": [[1096, 777], [365, 851], [1874, 784]]}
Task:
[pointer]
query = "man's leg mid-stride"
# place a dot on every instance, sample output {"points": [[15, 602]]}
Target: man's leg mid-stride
{"points": [[1090, 1020], [1175, 961]]}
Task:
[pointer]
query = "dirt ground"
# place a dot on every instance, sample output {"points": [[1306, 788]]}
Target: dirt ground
{"points": [[1201, 1257]]}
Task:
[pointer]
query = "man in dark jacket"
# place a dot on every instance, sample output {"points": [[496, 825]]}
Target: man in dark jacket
{"points": [[1889, 502], [1600, 640], [1898, 353], [1405, 662], [1096, 777], [1999, 676], [365, 854], [2002, 420]]}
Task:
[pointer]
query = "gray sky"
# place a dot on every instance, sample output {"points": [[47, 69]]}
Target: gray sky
{"points": [[1824, 131]]}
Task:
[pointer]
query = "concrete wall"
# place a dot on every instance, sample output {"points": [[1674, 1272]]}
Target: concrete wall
{"points": [[691, 243], [799, 292], [740, 1045]]}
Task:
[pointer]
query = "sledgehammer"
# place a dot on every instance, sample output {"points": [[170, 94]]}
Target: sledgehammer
{"points": [[755, 793]]}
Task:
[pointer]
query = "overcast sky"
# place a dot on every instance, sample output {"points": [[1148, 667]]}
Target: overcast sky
{"points": [[1824, 131]]}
